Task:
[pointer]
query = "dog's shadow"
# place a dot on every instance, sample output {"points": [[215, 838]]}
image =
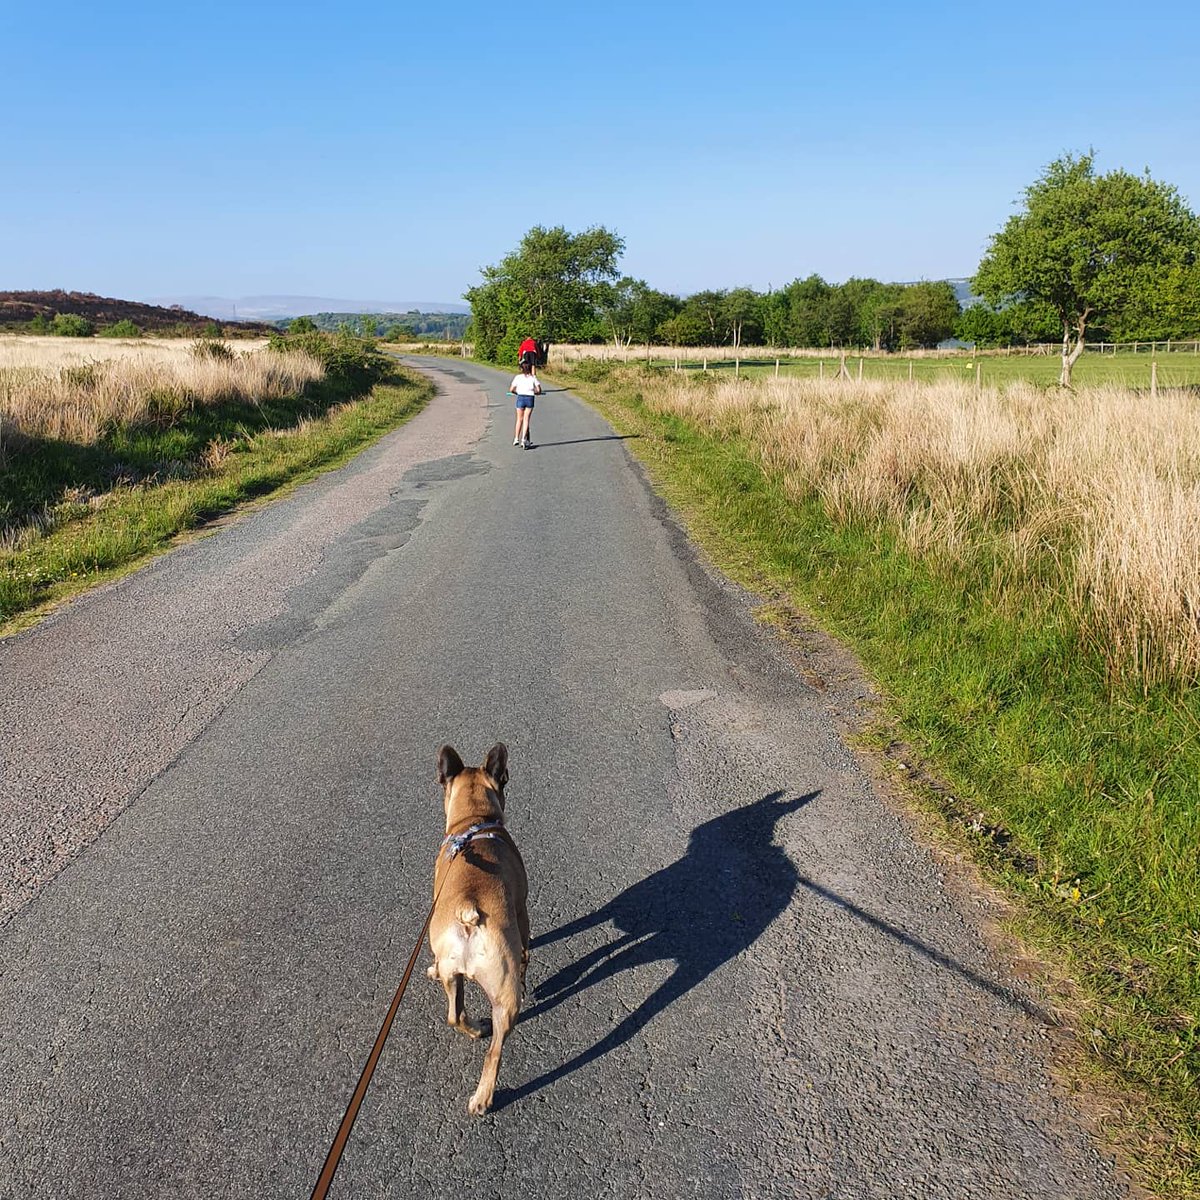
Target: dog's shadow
{"points": [[701, 911]]}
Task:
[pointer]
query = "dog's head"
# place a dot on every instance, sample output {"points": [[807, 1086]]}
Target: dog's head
{"points": [[475, 792]]}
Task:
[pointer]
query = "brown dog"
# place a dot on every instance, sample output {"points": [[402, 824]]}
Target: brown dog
{"points": [[480, 924]]}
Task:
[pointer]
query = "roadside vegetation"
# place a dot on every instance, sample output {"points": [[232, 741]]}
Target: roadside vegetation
{"points": [[1019, 571], [105, 461]]}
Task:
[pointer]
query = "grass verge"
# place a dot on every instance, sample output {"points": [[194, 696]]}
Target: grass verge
{"points": [[208, 464], [1078, 796]]}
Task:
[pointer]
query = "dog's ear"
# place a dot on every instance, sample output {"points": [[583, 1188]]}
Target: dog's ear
{"points": [[496, 765], [449, 764]]}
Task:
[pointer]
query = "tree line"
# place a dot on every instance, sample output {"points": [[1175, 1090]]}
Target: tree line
{"points": [[563, 287], [1112, 257]]}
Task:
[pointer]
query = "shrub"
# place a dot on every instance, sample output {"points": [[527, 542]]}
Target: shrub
{"points": [[39, 324], [124, 329], [353, 366], [302, 325], [591, 370], [212, 348], [71, 325]]}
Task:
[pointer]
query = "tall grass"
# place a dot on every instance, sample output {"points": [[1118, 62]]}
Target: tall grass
{"points": [[1093, 497], [49, 393]]}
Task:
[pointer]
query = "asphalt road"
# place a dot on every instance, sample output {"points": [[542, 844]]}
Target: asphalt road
{"points": [[218, 820]]}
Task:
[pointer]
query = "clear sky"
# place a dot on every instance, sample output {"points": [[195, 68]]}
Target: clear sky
{"points": [[387, 150]]}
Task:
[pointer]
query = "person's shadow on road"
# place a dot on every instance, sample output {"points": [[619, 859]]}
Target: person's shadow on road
{"points": [[701, 911]]}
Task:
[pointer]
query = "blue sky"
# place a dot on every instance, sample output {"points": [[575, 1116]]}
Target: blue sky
{"points": [[387, 151]]}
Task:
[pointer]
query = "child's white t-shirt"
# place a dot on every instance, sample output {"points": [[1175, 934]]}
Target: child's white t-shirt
{"points": [[525, 385]]}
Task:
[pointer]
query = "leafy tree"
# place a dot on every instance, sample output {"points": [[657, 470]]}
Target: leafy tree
{"points": [[549, 288], [807, 301], [881, 311], [39, 324], [399, 333], [928, 314], [983, 326], [774, 316], [707, 310], [686, 328], [1095, 248], [633, 311], [302, 325], [743, 316]]}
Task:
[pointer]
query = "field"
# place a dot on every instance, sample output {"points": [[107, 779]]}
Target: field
{"points": [[109, 449], [1177, 368], [1019, 570]]}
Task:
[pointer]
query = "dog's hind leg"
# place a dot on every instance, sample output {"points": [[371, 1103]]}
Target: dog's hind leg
{"points": [[456, 1008], [505, 1008]]}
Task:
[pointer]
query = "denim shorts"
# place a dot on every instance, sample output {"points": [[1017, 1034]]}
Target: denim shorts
{"points": [[524, 401]]}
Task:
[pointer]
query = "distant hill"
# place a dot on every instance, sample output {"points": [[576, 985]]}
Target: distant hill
{"points": [[962, 289], [17, 309], [278, 308]]}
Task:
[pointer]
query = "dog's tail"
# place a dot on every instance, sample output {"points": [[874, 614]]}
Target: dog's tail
{"points": [[469, 916]]}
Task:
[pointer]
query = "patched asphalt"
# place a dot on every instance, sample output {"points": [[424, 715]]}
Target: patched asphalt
{"points": [[219, 817]]}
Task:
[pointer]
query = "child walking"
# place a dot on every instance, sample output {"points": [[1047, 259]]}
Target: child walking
{"points": [[524, 386]]}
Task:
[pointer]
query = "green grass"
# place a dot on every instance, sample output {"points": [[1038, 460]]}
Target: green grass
{"points": [[1177, 369], [1083, 803], [150, 485]]}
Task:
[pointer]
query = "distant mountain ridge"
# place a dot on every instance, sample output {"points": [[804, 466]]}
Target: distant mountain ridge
{"points": [[276, 308], [17, 309]]}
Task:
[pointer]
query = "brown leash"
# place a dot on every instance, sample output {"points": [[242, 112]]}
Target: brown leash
{"points": [[456, 844], [343, 1134]]}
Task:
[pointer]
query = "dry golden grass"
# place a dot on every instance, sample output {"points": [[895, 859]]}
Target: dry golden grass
{"points": [[73, 391], [51, 353], [1093, 497], [566, 355]]}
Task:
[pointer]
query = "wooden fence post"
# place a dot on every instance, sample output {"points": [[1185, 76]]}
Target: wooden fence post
{"points": [[821, 369], [910, 370], [777, 366], [1154, 379], [860, 362]]}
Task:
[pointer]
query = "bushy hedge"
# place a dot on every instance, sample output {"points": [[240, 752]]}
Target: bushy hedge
{"points": [[353, 364]]}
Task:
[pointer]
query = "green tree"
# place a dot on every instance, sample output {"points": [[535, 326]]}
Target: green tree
{"points": [[983, 326], [685, 328], [928, 313], [743, 316], [633, 311], [807, 323], [706, 310], [302, 325], [550, 288], [774, 315], [1094, 248]]}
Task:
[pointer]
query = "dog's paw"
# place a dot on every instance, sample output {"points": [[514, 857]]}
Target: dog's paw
{"points": [[432, 971], [478, 1104]]}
